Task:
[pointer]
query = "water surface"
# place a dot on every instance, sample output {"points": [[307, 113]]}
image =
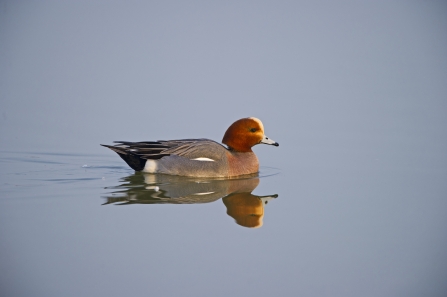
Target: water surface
{"points": [[72, 219], [352, 203]]}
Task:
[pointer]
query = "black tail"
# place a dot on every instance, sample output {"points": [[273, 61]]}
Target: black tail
{"points": [[134, 161]]}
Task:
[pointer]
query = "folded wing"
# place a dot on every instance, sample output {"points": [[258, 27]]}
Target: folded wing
{"points": [[187, 148]]}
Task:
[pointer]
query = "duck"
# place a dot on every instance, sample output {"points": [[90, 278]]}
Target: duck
{"points": [[199, 157]]}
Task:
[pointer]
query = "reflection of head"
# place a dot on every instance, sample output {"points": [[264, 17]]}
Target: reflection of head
{"points": [[245, 208]]}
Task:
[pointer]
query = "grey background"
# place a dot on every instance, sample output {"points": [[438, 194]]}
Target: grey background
{"points": [[355, 92], [77, 73]]}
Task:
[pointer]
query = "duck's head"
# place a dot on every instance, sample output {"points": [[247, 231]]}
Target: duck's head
{"points": [[245, 133]]}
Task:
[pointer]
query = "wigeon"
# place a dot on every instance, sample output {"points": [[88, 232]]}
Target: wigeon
{"points": [[199, 157]]}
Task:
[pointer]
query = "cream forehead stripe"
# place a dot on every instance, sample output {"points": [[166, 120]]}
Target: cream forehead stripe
{"points": [[257, 121]]}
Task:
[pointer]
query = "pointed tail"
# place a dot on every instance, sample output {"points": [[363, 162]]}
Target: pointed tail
{"points": [[134, 161]]}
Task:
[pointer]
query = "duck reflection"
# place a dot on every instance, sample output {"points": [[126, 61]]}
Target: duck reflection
{"points": [[140, 188]]}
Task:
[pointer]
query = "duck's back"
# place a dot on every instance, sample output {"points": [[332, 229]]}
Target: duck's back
{"points": [[189, 157]]}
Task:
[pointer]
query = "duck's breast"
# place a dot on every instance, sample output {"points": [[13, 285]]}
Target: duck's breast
{"points": [[242, 163]]}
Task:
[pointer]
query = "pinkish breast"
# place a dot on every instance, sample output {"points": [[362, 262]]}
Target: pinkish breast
{"points": [[242, 163]]}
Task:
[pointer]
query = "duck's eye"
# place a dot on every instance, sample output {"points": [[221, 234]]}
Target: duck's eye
{"points": [[253, 130]]}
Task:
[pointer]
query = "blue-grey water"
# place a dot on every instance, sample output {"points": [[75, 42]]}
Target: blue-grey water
{"points": [[352, 203]]}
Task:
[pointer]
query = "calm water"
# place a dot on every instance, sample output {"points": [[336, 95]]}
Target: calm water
{"points": [[74, 224], [352, 203]]}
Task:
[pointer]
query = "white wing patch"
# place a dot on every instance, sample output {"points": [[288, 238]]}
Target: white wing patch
{"points": [[204, 159]]}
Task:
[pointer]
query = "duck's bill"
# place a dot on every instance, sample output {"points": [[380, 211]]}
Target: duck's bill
{"points": [[267, 140]]}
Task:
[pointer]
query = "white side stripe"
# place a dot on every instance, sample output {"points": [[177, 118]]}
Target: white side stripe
{"points": [[203, 159]]}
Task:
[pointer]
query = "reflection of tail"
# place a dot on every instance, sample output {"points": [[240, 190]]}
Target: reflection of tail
{"points": [[134, 161]]}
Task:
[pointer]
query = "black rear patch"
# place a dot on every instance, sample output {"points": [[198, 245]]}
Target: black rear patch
{"points": [[135, 162]]}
